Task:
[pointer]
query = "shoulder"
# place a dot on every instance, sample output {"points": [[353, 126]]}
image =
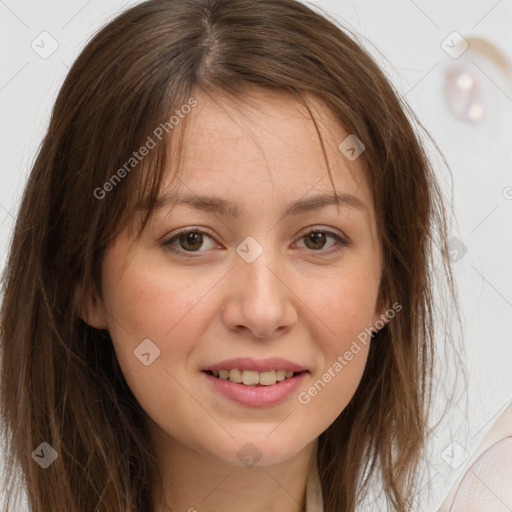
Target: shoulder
{"points": [[485, 483]]}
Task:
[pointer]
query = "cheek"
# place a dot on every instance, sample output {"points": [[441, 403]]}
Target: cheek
{"points": [[336, 387], [151, 300], [144, 302], [346, 310], [346, 307], [339, 374]]}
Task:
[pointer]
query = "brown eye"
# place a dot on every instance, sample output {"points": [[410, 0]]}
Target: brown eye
{"points": [[317, 240], [191, 241]]}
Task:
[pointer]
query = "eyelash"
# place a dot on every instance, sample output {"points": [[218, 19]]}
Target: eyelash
{"points": [[340, 241]]}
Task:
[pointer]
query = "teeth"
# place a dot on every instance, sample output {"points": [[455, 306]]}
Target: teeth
{"points": [[253, 377], [268, 378], [235, 376], [250, 377]]}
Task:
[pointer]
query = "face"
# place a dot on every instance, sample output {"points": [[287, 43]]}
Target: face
{"points": [[264, 274]]}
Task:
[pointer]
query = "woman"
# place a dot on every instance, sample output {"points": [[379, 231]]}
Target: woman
{"points": [[218, 293]]}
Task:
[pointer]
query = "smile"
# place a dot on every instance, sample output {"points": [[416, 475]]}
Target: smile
{"points": [[253, 377], [252, 390]]}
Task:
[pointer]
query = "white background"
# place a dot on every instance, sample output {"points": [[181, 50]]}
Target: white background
{"points": [[405, 36]]}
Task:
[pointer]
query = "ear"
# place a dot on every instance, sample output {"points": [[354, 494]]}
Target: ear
{"points": [[384, 312], [90, 308]]}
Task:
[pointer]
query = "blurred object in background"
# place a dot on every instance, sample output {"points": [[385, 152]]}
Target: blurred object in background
{"points": [[468, 81]]}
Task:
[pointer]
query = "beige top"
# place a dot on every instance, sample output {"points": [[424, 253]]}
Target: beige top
{"points": [[484, 484], [314, 500]]}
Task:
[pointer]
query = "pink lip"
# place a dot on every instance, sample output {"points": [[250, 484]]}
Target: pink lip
{"points": [[256, 396], [261, 365]]}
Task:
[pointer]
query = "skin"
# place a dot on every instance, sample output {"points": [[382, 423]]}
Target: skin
{"points": [[296, 301]]}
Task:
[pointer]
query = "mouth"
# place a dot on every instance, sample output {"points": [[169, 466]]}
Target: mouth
{"points": [[254, 378], [255, 389], [255, 382]]}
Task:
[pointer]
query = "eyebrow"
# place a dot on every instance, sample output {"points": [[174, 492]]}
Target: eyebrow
{"points": [[227, 208]]}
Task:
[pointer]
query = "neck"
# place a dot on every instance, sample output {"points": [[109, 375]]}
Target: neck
{"points": [[197, 482]]}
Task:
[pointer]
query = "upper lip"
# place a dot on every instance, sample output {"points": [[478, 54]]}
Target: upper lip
{"points": [[260, 365]]}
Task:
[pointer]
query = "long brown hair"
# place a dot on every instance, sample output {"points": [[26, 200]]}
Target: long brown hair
{"points": [[61, 382]]}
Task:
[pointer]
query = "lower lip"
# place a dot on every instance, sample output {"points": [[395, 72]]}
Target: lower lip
{"points": [[257, 396]]}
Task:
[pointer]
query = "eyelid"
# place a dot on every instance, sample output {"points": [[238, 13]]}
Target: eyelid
{"points": [[330, 231], [341, 239], [167, 241]]}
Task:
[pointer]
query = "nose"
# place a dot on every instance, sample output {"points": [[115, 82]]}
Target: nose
{"points": [[258, 298]]}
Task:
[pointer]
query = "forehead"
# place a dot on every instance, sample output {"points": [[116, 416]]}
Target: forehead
{"points": [[266, 135]]}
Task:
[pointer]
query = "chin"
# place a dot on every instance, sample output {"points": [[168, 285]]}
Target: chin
{"points": [[260, 450]]}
